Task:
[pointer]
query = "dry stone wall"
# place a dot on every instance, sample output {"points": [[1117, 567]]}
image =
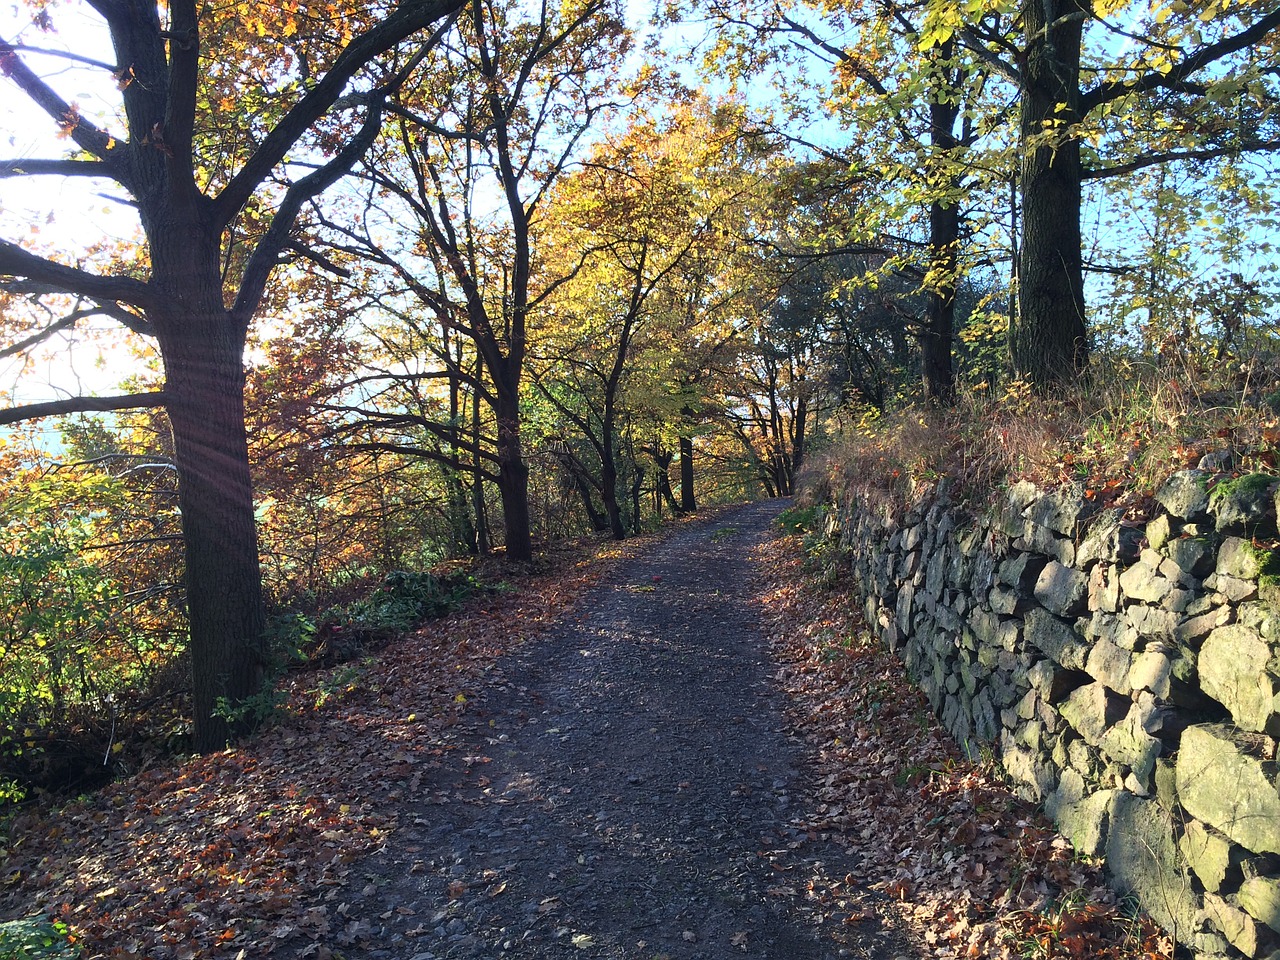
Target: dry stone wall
{"points": [[1126, 675]]}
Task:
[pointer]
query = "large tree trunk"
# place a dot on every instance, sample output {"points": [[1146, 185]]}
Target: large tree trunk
{"points": [[1048, 341], [513, 479], [204, 376]]}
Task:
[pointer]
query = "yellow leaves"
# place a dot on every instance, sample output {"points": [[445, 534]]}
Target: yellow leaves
{"points": [[944, 18]]}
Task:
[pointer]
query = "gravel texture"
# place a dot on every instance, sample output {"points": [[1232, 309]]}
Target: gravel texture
{"points": [[626, 788]]}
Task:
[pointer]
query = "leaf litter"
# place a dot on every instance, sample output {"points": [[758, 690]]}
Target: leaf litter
{"points": [[258, 851], [975, 871]]}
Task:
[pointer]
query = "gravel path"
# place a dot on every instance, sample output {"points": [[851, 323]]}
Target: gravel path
{"points": [[625, 789]]}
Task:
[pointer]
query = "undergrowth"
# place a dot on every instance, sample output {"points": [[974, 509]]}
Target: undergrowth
{"points": [[1118, 434]]}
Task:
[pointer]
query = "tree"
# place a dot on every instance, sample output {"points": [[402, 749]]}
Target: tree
{"points": [[470, 162], [913, 111], [653, 206], [203, 272], [1191, 55]]}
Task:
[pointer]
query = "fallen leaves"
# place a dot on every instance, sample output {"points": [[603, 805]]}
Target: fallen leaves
{"points": [[974, 871], [254, 850]]}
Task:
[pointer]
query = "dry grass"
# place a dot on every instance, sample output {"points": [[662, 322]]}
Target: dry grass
{"points": [[1119, 434]]}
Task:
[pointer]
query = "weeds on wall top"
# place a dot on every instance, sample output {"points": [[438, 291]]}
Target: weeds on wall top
{"points": [[1119, 434]]}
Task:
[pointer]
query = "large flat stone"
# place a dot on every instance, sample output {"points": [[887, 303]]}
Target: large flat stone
{"points": [[1209, 854], [1062, 590], [1221, 782], [1092, 710], [1235, 669], [1142, 857], [1055, 639]]}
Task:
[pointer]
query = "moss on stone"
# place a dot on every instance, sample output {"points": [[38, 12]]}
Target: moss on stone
{"points": [[1251, 484]]}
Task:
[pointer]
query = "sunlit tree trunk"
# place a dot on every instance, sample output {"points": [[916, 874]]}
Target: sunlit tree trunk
{"points": [[1048, 341]]}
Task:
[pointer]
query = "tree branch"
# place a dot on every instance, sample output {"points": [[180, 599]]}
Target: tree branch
{"points": [[16, 262], [1152, 80], [1207, 153], [85, 134], [55, 168], [407, 18], [55, 408]]}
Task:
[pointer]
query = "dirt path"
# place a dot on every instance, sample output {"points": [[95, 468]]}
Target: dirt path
{"points": [[625, 789]]}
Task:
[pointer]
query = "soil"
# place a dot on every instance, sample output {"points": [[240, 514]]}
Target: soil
{"points": [[627, 787]]}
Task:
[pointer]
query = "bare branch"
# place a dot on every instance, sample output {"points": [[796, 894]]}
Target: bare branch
{"points": [[56, 408], [407, 18], [85, 134], [1154, 80], [1207, 153], [55, 168]]}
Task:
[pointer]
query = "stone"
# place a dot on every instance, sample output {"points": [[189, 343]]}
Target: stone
{"points": [[1053, 683], [1055, 639], [1102, 541], [1063, 510], [1143, 581], [1151, 670], [1062, 590], [1237, 557], [1104, 588], [1193, 555], [1021, 572], [1082, 817], [1240, 929], [1260, 896], [1223, 784], [1185, 494], [1177, 601], [1033, 779], [1211, 856], [1092, 710], [1110, 664], [1232, 589], [1142, 857], [1003, 600], [1199, 627], [906, 596], [1129, 743], [1159, 531], [1009, 519], [1037, 538], [985, 625], [1166, 782], [1246, 503], [1153, 621], [1235, 669]]}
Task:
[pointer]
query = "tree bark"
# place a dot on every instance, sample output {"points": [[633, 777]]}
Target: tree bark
{"points": [[1048, 341], [204, 380], [513, 478], [688, 502]]}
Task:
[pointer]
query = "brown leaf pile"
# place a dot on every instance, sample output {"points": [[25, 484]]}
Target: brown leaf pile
{"points": [[974, 871]]}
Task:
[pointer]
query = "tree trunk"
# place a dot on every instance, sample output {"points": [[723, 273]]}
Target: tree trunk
{"points": [[944, 240], [1048, 341], [204, 377], [688, 502], [513, 479]]}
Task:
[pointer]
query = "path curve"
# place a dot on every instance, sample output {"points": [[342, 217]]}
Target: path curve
{"points": [[625, 789]]}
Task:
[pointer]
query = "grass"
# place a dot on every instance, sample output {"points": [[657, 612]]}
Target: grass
{"points": [[1118, 434]]}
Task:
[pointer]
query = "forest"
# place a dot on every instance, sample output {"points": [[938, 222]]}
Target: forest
{"points": [[305, 307]]}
